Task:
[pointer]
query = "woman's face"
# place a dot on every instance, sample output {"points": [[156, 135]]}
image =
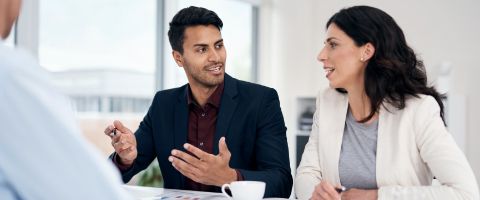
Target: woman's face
{"points": [[342, 60]]}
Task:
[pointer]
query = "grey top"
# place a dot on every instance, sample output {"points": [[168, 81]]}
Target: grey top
{"points": [[357, 165]]}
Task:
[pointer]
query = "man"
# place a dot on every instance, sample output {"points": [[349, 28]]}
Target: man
{"points": [[188, 128], [42, 154]]}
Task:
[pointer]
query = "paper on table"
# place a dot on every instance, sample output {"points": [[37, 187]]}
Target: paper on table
{"points": [[150, 193], [187, 195]]}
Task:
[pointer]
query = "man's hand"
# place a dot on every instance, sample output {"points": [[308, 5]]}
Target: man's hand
{"points": [[325, 191], [123, 142], [353, 194], [205, 168]]}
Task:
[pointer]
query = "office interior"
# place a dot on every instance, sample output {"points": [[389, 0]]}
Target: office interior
{"points": [[110, 56]]}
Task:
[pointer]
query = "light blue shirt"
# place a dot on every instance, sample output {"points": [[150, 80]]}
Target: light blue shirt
{"points": [[42, 153]]}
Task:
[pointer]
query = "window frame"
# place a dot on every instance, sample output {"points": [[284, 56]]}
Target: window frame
{"points": [[160, 58], [27, 35]]}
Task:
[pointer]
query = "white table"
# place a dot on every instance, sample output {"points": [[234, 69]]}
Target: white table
{"points": [[150, 193]]}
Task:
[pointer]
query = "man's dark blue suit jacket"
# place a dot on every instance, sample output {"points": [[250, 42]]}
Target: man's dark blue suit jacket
{"points": [[251, 120]]}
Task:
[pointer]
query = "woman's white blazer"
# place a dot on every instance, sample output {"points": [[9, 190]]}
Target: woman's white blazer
{"points": [[413, 146]]}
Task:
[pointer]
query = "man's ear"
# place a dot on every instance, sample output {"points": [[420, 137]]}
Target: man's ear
{"points": [[368, 52], [178, 57]]}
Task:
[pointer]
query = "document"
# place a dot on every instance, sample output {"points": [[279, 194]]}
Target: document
{"points": [[186, 195]]}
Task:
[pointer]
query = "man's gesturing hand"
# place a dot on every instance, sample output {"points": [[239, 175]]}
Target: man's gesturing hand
{"points": [[123, 142], [203, 167]]}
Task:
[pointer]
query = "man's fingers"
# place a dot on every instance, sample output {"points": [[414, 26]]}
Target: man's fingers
{"points": [[109, 129], [124, 151], [116, 138], [202, 155], [182, 166], [188, 174], [121, 127], [222, 147], [122, 139], [186, 157], [119, 137], [121, 145]]}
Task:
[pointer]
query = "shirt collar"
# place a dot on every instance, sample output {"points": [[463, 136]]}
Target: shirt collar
{"points": [[213, 100]]}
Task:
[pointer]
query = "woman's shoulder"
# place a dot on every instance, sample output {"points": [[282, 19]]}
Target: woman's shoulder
{"points": [[421, 102], [329, 100]]}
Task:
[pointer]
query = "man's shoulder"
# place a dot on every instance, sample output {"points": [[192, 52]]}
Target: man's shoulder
{"points": [[249, 87], [170, 94]]}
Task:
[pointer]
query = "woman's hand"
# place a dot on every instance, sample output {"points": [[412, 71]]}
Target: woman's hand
{"points": [[353, 194], [325, 191]]}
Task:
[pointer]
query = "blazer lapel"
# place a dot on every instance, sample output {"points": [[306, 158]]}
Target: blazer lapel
{"points": [[333, 111], [181, 120], [227, 108], [181, 126], [339, 128]]}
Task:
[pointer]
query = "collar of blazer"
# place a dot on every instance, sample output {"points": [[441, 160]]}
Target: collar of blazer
{"points": [[227, 108], [332, 107], [230, 89]]}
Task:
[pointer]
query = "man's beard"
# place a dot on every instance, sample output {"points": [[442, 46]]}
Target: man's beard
{"points": [[204, 79]]}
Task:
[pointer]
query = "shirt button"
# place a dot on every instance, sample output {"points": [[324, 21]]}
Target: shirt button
{"points": [[201, 144], [203, 114]]}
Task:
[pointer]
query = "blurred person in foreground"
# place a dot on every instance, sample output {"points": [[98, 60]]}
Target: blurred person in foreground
{"points": [[378, 130], [42, 154]]}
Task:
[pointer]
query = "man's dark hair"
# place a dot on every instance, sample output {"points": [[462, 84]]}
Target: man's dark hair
{"points": [[187, 17]]}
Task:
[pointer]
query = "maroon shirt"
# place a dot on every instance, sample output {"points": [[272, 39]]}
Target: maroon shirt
{"points": [[201, 130]]}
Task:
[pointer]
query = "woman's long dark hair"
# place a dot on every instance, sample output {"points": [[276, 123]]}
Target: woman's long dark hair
{"points": [[394, 73]]}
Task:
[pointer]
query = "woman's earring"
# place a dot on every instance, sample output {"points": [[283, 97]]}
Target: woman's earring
{"points": [[361, 59]]}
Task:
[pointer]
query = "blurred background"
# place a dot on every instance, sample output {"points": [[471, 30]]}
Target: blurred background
{"points": [[111, 56]]}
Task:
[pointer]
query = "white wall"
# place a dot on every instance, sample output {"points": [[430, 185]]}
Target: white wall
{"points": [[287, 56], [292, 33]]}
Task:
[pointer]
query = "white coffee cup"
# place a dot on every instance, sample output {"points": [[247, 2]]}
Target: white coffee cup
{"points": [[245, 190]]}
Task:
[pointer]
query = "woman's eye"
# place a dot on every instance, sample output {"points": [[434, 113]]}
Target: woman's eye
{"points": [[333, 45]]}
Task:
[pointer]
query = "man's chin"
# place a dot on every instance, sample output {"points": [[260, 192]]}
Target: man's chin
{"points": [[215, 82], [211, 81]]}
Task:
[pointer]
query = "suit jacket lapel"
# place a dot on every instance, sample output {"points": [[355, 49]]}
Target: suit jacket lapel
{"points": [[181, 124], [227, 108], [181, 120]]}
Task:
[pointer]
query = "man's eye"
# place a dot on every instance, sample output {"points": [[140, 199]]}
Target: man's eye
{"points": [[219, 46], [202, 50]]}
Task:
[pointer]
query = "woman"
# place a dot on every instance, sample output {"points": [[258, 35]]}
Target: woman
{"points": [[379, 129]]}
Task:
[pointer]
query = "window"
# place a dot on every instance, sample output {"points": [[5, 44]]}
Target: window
{"points": [[102, 54], [238, 32], [100, 50], [128, 104], [106, 54]]}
